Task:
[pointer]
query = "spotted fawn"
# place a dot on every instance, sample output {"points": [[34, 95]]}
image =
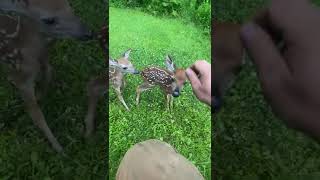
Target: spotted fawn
{"points": [[26, 26], [170, 80]]}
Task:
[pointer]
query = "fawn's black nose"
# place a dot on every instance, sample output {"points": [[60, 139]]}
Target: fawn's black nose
{"points": [[217, 103], [176, 93]]}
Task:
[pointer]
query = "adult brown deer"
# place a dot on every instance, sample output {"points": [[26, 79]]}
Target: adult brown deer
{"points": [[24, 39]]}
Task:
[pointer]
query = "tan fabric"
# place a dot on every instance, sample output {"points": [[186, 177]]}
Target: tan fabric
{"points": [[156, 160]]}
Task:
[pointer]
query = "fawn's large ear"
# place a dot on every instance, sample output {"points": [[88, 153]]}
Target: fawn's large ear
{"points": [[127, 54], [112, 62], [170, 65]]}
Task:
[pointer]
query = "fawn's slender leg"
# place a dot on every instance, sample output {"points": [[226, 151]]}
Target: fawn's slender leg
{"points": [[118, 91], [171, 102], [47, 75], [168, 99], [124, 83], [25, 84], [143, 87], [96, 88], [168, 102]]}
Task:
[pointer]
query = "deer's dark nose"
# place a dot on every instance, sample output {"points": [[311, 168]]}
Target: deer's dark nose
{"points": [[217, 102], [176, 93]]}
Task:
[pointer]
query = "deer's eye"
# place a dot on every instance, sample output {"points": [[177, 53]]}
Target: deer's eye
{"points": [[49, 21], [125, 68]]}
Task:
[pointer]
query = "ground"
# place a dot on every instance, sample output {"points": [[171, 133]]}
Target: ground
{"points": [[249, 141], [188, 126], [24, 152]]}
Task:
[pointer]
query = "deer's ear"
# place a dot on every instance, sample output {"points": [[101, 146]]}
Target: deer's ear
{"points": [[112, 62], [170, 65], [127, 54]]}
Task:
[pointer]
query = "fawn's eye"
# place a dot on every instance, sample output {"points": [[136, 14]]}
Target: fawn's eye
{"points": [[125, 68], [49, 21]]}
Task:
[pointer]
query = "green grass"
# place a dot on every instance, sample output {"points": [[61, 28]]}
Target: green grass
{"points": [[248, 140], [188, 127], [195, 11], [24, 152]]}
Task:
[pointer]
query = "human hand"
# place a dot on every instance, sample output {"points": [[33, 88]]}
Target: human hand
{"points": [[290, 77], [199, 75]]}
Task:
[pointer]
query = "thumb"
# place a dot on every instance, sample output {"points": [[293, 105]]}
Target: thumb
{"points": [[194, 80]]}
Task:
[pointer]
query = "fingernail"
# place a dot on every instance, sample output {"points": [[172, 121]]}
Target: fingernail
{"points": [[188, 71]]}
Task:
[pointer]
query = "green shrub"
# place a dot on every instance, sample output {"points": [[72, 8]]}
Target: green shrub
{"points": [[203, 14], [168, 7], [196, 11]]}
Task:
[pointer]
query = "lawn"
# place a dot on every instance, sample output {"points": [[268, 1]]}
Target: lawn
{"points": [[188, 126], [249, 141], [24, 152]]}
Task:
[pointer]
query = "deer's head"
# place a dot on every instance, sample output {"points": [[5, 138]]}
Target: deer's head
{"points": [[179, 76], [55, 17], [124, 64]]}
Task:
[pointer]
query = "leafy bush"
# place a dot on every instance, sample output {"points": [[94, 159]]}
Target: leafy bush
{"points": [[168, 7], [196, 11], [203, 14]]}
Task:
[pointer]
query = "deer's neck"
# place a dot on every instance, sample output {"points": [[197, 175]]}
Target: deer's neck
{"points": [[115, 76], [115, 72]]}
